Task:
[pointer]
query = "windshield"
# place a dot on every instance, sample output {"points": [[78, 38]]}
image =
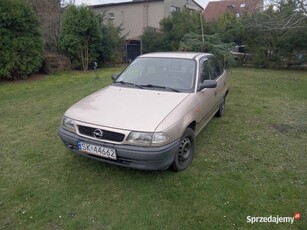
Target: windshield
{"points": [[160, 73]]}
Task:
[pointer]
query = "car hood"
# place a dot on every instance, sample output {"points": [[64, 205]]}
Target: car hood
{"points": [[126, 108]]}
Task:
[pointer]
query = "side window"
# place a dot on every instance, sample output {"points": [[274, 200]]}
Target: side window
{"points": [[204, 71], [216, 67]]}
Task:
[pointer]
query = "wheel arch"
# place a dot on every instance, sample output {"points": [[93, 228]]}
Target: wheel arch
{"points": [[192, 125], [226, 93]]}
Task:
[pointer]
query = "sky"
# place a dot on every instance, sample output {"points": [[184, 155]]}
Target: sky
{"points": [[203, 3]]}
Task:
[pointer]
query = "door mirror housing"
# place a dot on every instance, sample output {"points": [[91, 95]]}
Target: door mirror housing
{"points": [[207, 84], [114, 76]]}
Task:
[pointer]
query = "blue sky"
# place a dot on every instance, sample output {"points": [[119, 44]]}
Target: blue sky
{"points": [[203, 3]]}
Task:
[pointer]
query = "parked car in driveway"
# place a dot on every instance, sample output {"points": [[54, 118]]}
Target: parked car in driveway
{"points": [[149, 116]]}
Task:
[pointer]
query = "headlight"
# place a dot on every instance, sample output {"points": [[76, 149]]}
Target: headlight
{"points": [[159, 138], [69, 124], [140, 138]]}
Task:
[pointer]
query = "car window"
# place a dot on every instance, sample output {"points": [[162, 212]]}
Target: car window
{"points": [[216, 67], [132, 73], [204, 71]]}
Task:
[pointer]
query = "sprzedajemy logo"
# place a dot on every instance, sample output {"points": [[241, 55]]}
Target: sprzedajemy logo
{"points": [[273, 219]]}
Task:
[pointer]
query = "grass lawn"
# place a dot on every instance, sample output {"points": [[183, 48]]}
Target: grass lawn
{"points": [[251, 162]]}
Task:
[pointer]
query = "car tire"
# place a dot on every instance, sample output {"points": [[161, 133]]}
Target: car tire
{"points": [[221, 110], [185, 154]]}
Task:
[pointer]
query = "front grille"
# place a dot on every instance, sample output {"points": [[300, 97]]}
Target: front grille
{"points": [[107, 135]]}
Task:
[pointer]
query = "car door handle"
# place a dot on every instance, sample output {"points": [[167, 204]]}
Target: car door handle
{"points": [[215, 93]]}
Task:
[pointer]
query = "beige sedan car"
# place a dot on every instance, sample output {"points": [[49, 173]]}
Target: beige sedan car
{"points": [[149, 116]]}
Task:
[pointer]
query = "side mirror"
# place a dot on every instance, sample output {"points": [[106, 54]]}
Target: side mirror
{"points": [[115, 76], [207, 84]]}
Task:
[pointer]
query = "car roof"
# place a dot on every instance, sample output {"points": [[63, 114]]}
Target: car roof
{"points": [[184, 55]]}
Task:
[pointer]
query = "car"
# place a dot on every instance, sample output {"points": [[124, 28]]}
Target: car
{"points": [[149, 116], [240, 55]]}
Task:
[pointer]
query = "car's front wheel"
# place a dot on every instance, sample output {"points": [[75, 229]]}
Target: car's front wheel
{"points": [[185, 154], [221, 110]]}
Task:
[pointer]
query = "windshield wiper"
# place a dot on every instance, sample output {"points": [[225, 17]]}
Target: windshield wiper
{"points": [[129, 83], [160, 87]]}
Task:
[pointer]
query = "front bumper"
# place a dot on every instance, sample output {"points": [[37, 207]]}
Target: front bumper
{"points": [[139, 157]]}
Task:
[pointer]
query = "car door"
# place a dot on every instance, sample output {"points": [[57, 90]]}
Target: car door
{"points": [[207, 97], [218, 74]]}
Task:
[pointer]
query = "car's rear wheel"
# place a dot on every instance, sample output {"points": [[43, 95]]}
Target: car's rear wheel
{"points": [[221, 110], [185, 154]]}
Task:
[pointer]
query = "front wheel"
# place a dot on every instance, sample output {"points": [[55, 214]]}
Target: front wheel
{"points": [[221, 110], [185, 154]]}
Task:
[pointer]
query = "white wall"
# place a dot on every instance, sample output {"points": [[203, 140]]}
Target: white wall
{"points": [[133, 17]]}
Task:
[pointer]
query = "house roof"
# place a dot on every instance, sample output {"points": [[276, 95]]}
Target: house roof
{"points": [[216, 9], [134, 2], [198, 5], [124, 3]]}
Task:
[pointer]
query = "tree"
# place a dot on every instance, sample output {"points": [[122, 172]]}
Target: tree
{"points": [[280, 15], [152, 40], [111, 44], [80, 36], [182, 31], [210, 44], [21, 42], [276, 36], [175, 26], [172, 30], [49, 15], [229, 28]]}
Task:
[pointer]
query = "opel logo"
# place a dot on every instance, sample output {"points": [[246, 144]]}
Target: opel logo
{"points": [[98, 133]]}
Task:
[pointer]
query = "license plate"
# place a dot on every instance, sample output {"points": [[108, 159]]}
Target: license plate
{"points": [[97, 150]]}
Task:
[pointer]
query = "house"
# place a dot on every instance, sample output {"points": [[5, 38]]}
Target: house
{"points": [[216, 9], [136, 15]]}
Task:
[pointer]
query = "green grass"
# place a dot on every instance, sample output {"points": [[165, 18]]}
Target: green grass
{"points": [[251, 162]]}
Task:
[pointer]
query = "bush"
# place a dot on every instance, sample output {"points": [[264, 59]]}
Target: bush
{"points": [[152, 40], [80, 36], [21, 43], [54, 62], [111, 45]]}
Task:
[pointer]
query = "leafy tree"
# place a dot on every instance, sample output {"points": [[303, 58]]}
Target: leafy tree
{"points": [[175, 26], [182, 31], [276, 36], [172, 30], [21, 43], [210, 44], [152, 40], [281, 15], [80, 36], [111, 51], [229, 27]]}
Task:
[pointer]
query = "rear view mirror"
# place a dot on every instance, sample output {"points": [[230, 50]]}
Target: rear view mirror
{"points": [[207, 84], [115, 76]]}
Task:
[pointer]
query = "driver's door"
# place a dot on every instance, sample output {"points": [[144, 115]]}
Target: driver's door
{"points": [[207, 97]]}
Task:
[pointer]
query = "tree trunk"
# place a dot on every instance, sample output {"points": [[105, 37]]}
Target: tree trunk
{"points": [[84, 55]]}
